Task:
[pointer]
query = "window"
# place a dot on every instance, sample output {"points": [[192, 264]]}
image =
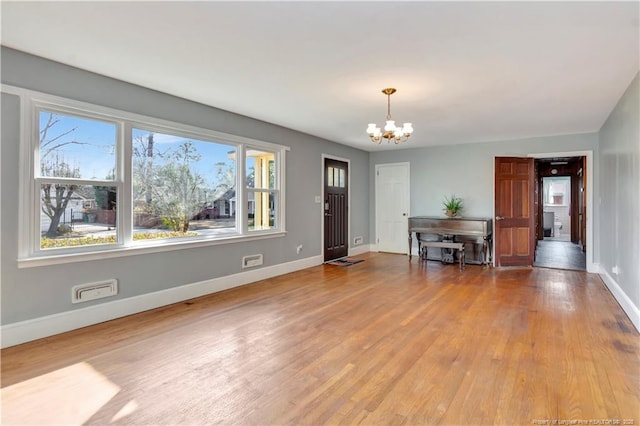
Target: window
{"points": [[103, 180], [182, 187], [262, 195], [336, 177], [75, 180], [556, 190]]}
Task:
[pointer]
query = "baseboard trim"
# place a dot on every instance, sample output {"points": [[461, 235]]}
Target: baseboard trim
{"points": [[621, 297], [354, 251], [26, 331]]}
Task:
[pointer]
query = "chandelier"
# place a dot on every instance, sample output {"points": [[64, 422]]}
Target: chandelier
{"points": [[391, 132]]}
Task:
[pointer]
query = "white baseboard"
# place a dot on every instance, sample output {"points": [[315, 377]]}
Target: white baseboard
{"points": [[627, 305], [414, 250], [365, 248], [25, 331]]}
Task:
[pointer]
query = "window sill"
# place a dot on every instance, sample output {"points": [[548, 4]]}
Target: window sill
{"points": [[57, 259]]}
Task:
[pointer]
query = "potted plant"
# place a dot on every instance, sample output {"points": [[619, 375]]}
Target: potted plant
{"points": [[452, 205]]}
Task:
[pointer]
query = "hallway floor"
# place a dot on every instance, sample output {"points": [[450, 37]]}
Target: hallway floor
{"points": [[560, 255]]}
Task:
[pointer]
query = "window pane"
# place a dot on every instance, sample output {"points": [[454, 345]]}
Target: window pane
{"points": [[74, 147], [182, 187], [261, 210], [260, 169], [330, 176], [77, 215]]}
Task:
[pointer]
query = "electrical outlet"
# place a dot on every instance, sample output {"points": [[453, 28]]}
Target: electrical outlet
{"points": [[357, 240], [299, 249]]}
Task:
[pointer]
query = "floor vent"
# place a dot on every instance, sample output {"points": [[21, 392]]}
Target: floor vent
{"points": [[91, 291]]}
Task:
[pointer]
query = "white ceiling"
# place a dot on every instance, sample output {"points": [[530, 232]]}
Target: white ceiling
{"points": [[465, 71]]}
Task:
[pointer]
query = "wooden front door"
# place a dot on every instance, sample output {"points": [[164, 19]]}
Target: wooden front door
{"points": [[336, 222], [514, 211]]}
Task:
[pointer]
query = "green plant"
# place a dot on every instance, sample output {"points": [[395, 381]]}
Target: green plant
{"points": [[452, 205]]}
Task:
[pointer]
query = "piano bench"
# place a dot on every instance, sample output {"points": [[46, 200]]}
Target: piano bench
{"points": [[444, 244]]}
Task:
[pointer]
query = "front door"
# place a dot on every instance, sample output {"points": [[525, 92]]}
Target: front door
{"points": [[514, 211], [336, 208]]}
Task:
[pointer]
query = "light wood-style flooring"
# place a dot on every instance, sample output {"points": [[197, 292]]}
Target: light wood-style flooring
{"points": [[381, 342]]}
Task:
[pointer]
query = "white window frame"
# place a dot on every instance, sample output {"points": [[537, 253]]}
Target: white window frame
{"points": [[29, 252]]}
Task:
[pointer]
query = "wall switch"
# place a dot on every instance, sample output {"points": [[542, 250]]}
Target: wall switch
{"points": [[318, 199]]}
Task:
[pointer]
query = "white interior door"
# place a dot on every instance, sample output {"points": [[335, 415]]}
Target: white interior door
{"points": [[392, 207]]}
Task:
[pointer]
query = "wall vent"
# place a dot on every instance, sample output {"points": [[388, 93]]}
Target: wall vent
{"points": [[251, 261], [91, 291]]}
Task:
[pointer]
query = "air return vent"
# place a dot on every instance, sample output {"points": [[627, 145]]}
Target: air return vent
{"points": [[91, 291], [251, 261]]}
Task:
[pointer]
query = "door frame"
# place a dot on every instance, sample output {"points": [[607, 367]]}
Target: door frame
{"points": [[407, 164], [591, 266], [322, 198]]}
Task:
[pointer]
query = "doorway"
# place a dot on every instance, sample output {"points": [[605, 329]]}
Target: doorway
{"points": [[561, 208], [336, 209]]}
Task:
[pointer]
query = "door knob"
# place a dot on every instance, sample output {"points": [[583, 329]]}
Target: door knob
{"points": [[499, 217]]}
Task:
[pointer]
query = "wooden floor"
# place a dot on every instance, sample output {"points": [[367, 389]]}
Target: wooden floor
{"points": [[381, 342]]}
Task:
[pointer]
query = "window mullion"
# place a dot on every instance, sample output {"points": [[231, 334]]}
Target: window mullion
{"points": [[241, 192], [125, 185]]}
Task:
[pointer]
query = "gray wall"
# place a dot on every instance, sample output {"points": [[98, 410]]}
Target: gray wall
{"points": [[620, 196], [467, 171], [38, 291]]}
